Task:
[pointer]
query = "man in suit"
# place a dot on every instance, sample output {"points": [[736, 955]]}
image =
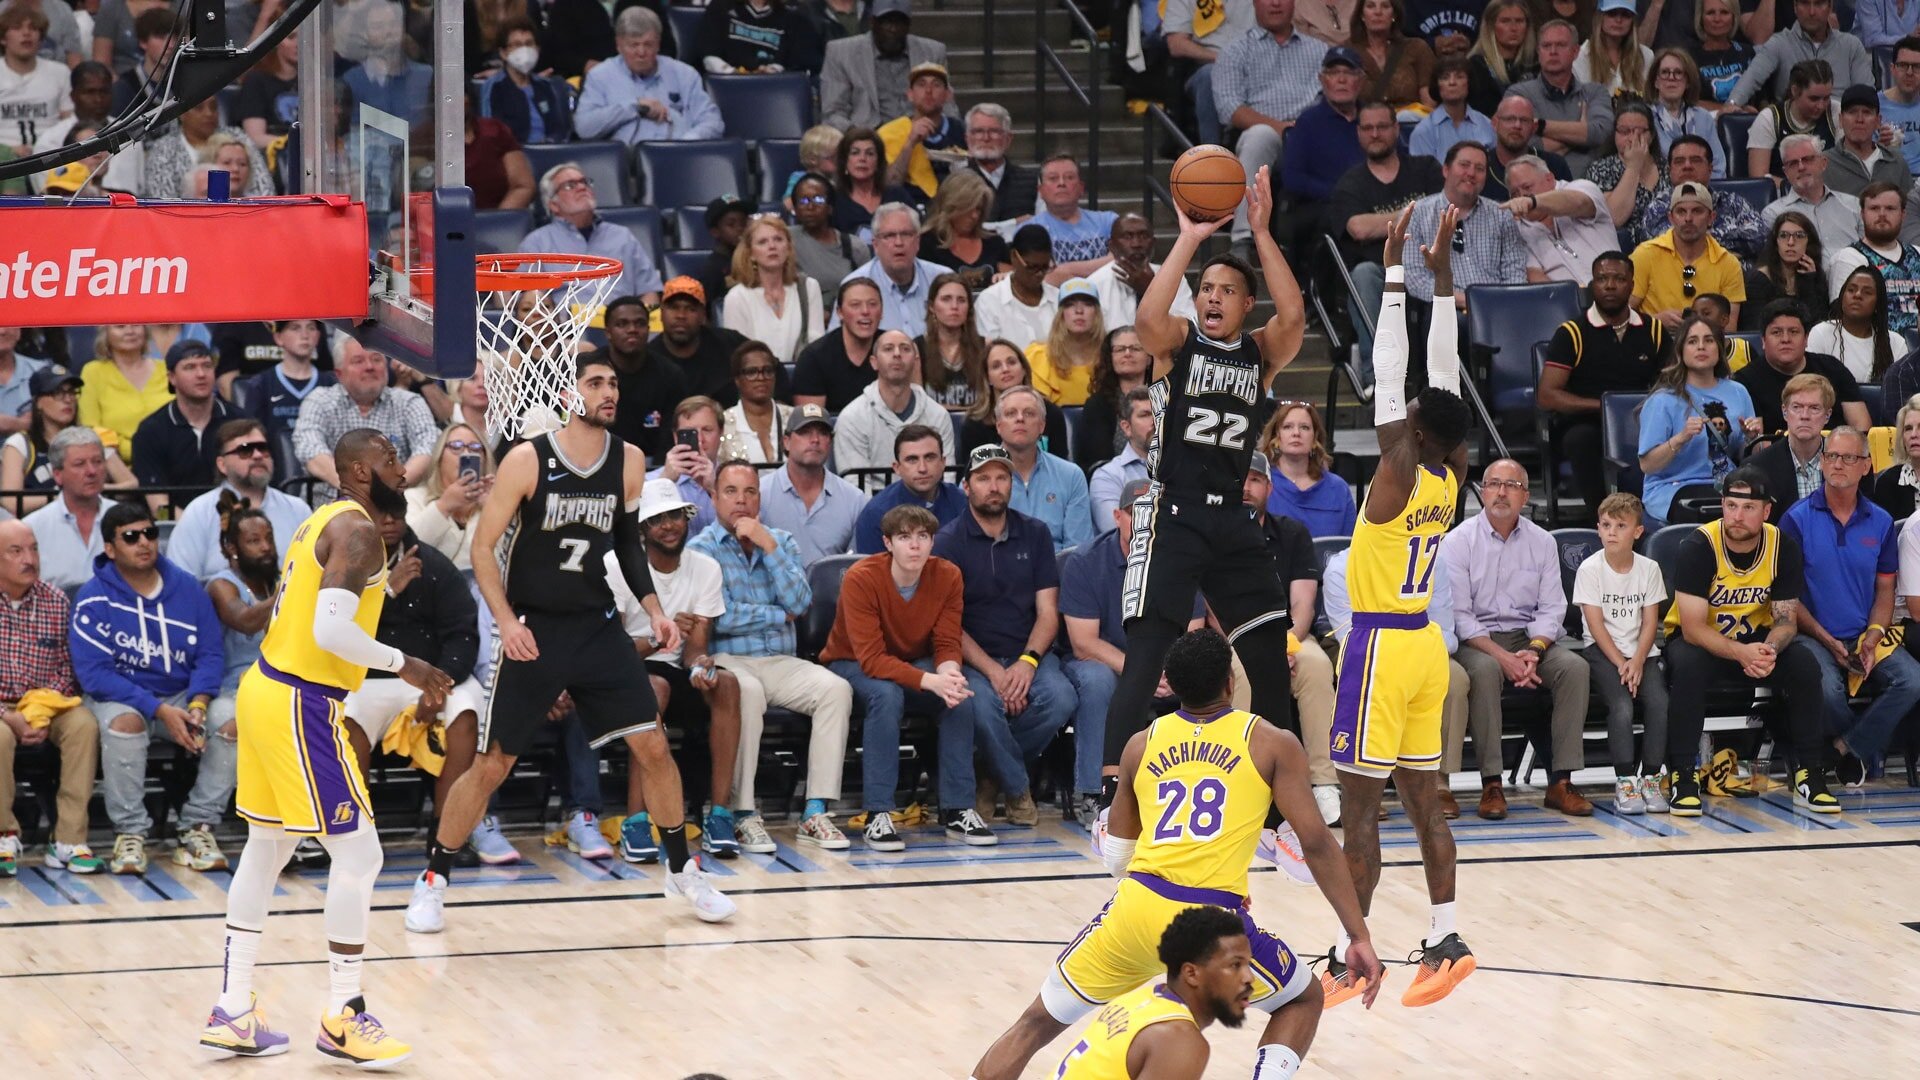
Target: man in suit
{"points": [[1015, 187], [864, 82]]}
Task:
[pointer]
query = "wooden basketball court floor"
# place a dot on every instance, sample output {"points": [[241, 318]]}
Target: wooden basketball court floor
{"points": [[1758, 940]]}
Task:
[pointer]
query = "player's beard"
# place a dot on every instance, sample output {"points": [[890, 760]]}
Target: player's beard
{"points": [[1224, 1011], [385, 496]]}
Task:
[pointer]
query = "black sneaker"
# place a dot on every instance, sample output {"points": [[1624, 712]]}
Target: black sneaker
{"points": [[1850, 771], [966, 827], [1685, 798], [1337, 983], [1441, 967], [310, 855], [1810, 791], [880, 833]]}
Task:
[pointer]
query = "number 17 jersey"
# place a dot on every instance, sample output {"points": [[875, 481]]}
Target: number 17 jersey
{"points": [[1390, 566], [1202, 801], [1207, 416]]}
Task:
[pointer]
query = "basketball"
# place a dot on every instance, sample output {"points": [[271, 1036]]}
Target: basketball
{"points": [[1207, 182]]}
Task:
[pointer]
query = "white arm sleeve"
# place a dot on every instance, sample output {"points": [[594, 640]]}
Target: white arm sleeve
{"points": [[1390, 353], [1117, 853], [1443, 346], [335, 631]]}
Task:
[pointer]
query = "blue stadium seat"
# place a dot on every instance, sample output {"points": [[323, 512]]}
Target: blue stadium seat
{"points": [[500, 230], [1543, 433], [1620, 437], [604, 163], [1325, 548], [1575, 545], [692, 173], [1874, 395], [683, 22], [1733, 138], [764, 106], [1504, 323], [690, 229], [645, 223], [824, 578], [1758, 191], [775, 160], [675, 264]]}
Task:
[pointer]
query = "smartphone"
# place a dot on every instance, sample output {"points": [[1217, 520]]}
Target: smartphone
{"points": [[688, 438], [469, 468]]}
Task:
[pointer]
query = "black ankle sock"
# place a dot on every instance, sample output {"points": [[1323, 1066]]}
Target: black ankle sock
{"points": [[674, 842], [1562, 774], [440, 859], [1109, 786]]}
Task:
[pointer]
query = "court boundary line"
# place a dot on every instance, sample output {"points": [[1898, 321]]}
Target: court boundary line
{"points": [[924, 939], [867, 886]]}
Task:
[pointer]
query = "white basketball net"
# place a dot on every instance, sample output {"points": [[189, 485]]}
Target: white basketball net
{"points": [[527, 340]]}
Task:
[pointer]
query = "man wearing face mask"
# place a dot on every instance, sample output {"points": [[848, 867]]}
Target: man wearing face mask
{"points": [[535, 106]]}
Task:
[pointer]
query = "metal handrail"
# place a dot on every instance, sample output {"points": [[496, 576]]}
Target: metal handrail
{"points": [[1152, 189], [1044, 55]]}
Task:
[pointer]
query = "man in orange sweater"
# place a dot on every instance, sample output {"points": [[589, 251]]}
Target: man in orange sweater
{"points": [[896, 639]]}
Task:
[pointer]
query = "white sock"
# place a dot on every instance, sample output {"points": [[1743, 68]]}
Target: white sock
{"points": [[1275, 1062], [1442, 923], [1341, 944], [343, 975], [236, 976]]}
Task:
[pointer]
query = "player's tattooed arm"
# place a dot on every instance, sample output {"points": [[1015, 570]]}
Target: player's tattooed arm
{"points": [[354, 553], [1786, 623]]}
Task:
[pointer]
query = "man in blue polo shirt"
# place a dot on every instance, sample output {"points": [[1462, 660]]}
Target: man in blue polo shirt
{"points": [[1009, 618], [1848, 603], [920, 462], [1049, 489]]}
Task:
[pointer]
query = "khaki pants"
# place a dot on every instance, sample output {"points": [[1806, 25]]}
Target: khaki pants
{"points": [[1313, 696], [1453, 728], [1563, 672], [789, 682], [75, 735]]}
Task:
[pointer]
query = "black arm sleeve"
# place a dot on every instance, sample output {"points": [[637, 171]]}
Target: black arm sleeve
{"points": [[631, 550]]}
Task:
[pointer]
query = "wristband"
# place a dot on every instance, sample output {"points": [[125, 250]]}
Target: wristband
{"points": [[1397, 274], [1540, 645], [1029, 658], [199, 702]]}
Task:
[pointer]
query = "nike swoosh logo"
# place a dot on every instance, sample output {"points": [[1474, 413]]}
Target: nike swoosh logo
{"points": [[554, 477]]}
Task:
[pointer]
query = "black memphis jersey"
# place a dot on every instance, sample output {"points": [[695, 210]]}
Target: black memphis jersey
{"points": [[556, 549], [1207, 417]]}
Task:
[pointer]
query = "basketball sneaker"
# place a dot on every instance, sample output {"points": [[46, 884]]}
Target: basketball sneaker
{"points": [[967, 827], [1685, 800], [637, 842], [246, 1035], [1097, 833], [880, 834], [1626, 796], [73, 858], [1442, 966], [199, 850], [129, 854], [820, 831], [311, 854], [1085, 809], [1338, 983], [716, 835], [1326, 798], [708, 902], [1850, 770], [754, 838], [584, 839], [9, 854], [1653, 796], [1810, 791], [354, 1036], [491, 845], [1281, 847], [427, 907]]}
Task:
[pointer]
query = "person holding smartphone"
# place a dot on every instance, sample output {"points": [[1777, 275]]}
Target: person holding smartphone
{"points": [[691, 458], [441, 511]]}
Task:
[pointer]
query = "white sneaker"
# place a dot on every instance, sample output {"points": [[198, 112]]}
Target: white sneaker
{"points": [[1282, 848], [426, 910], [708, 902], [1327, 798], [820, 831], [753, 836], [1655, 799], [1626, 796], [1097, 835]]}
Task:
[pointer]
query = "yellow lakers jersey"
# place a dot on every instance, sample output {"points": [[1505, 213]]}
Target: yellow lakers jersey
{"points": [[1101, 1053], [289, 646], [1390, 566], [1202, 801], [1739, 601]]}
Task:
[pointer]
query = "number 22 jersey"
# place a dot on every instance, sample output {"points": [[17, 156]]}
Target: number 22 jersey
{"points": [[1207, 416], [1202, 801]]}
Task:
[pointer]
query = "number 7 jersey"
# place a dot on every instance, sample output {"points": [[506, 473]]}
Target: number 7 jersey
{"points": [[1390, 566], [1207, 416], [1202, 801]]}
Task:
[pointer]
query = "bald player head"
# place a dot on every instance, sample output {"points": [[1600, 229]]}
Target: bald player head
{"points": [[370, 470], [19, 558]]}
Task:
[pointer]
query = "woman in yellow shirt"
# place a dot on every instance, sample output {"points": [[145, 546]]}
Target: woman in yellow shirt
{"points": [[1063, 364], [123, 383]]}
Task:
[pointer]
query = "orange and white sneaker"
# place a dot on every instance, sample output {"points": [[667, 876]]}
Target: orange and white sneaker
{"points": [[356, 1038], [1441, 967], [1338, 983]]}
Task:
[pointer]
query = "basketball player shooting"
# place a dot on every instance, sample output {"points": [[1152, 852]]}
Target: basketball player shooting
{"points": [[1393, 668], [1190, 529], [560, 503], [298, 775]]}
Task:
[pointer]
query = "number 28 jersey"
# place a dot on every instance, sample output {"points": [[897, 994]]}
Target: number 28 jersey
{"points": [[1207, 416], [1390, 566], [1202, 801], [555, 552]]}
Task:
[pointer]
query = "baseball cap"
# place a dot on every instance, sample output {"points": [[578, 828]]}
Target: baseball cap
{"points": [[661, 496], [1133, 489], [1860, 96], [807, 414], [1257, 465], [1078, 289], [989, 454], [51, 380], [1617, 5], [1751, 479], [928, 67], [1339, 56], [68, 178], [721, 206], [1692, 191], [902, 8], [683, 287], [185, 349]]}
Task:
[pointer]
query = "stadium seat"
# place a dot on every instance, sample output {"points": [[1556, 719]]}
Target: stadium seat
{"points": [[604, 163], [775, 160], [1504, 322], [500, 230], [1543, 434], [1733, 138], [1575, 546], [1758, 191], [1620, 438], [692, 173], [690, 229], [675, 264], [764, 106], [1325, 548], [823, 578], [684, 22], [645, 223], [1873, 394]]}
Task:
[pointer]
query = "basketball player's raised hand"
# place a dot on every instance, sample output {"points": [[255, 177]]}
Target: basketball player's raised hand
{"points": [[1397, 237], [1365, 965], [1260, 203], [1199, 230], [432, 683], [1439, 254], [516, 641]]}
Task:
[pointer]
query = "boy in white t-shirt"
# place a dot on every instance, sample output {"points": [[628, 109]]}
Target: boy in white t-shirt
{"points": [[1619, 593]]}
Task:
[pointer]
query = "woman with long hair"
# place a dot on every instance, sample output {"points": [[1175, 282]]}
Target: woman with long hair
{"points": [[861, 165], [1504, 54], [24, 465], [1893, 489], [1694, 424], [1857, 333], [952, 235], [751, 430], [1724, 53], [1063, 364], [1007, 366], [1398, 68], [826, 254], [772, 300], [1123, 366], [123, 383], [1791, 264], [442, 510], [1613, 55], [1304, 487], [1675, 95], [953, 355]]}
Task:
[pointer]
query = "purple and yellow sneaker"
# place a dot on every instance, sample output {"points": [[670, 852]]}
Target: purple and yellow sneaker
{"points": [[246, 1035]]}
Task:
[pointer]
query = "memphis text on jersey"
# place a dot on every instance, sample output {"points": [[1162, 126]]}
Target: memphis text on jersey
{"points": [[1224, 758], [1210, 376], [593, 511]]}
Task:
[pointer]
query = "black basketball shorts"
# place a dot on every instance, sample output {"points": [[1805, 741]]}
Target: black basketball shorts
{"points": [[1182, 543], [590, 657]]}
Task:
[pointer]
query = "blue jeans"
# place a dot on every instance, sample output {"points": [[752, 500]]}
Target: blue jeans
{"points": [[583, 768], [1093, 682], [1895, 684], [886, 703], [1206, 117], [1369, 285], [1010, 743]]}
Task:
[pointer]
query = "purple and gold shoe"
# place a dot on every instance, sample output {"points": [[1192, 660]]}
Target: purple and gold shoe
{"points": [[245, 1035]]}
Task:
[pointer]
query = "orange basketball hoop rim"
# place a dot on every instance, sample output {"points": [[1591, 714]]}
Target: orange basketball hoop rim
{"points": [[521, 271]]}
